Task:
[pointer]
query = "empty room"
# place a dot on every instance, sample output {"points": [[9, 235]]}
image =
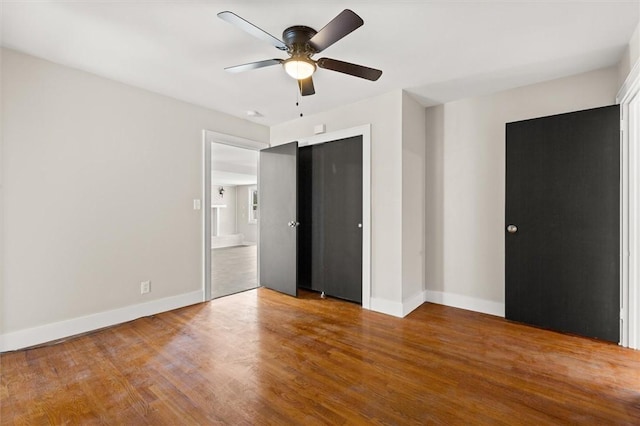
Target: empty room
{"points": [[320, 212]]}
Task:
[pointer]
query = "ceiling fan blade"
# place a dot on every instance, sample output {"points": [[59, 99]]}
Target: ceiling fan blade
{"points": [[253, 65], [248, 27], [340, 26], [349, 68], [306, 86]]}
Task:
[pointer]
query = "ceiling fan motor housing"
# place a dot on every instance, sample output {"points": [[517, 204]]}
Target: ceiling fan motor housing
{"points": [[296, 38]]}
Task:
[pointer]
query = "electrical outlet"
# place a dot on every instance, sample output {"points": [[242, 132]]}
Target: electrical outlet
{"points": [[145, 287]]}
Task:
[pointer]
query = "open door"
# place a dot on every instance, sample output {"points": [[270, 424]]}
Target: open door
{"points": [[562, 234], [277, 198]]}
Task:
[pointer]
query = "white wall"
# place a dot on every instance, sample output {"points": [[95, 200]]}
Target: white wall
{"points": [[227, 221], [99, 181], [249, 230], [384, 113], [466, 193], [413, 201], [2, 233], [630, 56], [434, 200]]}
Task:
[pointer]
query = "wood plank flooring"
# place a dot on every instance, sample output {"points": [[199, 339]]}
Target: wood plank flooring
{"points": [[262, 358]]}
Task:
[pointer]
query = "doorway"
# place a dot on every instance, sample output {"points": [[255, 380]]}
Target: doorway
{"points": [[231, 214]]}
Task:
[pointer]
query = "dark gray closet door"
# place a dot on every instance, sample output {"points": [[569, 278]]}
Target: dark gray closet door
{"points": [[562, 222], [342, 218], [277, 200]]}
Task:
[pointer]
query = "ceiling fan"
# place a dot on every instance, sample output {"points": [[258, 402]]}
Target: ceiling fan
{"points": [[301, 43]]}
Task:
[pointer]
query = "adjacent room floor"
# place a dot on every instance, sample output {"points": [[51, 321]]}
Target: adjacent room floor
{"points": [[233, 269], [259, 357]]}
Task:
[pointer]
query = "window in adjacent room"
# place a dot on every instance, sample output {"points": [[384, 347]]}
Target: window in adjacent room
{"points": [[253, 205]]}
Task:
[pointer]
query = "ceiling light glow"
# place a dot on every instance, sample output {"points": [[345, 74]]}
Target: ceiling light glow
{"points": [[299, 68]]}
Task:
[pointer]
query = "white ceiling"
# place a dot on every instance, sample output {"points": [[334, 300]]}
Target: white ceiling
{"points": [[232, 166], [438, 50]]}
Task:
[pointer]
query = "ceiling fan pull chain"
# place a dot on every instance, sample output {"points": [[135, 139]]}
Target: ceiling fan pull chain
{"points": [[298, 101]]}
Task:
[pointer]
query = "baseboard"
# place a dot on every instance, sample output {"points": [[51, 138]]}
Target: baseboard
{"points": [[412, 303], [59, 330], [385, 306], [465, 302], [231, 240], [397, 309]]}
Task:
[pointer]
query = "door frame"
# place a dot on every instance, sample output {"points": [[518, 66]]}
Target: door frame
{"points": [[209, 137], [630, 209], [365, 132]]}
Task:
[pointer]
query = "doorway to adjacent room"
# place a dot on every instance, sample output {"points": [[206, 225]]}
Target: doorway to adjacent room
{"points": [[231, 215]]}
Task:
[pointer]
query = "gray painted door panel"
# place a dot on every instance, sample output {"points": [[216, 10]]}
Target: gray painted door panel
{"points": [[277, 201]]}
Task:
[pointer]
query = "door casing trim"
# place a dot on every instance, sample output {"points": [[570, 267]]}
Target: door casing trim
{"points": [[629, 210]]}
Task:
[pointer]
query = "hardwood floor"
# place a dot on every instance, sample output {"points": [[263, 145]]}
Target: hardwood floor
{"points": [[233, 269], [259, 357]]}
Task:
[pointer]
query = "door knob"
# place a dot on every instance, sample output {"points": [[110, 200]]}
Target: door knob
{"points": [[293, 224], [512, 229]]}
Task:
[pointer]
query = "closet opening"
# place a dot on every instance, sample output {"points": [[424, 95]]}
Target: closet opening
{"points": [[330, 214], [315, 215]]}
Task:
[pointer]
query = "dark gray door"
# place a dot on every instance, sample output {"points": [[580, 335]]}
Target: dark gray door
{"points": [[342, 164], [562, 222], [277, 200], [330, 212]]}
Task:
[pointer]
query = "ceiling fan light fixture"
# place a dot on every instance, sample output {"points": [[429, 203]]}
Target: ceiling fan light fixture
{"points": [[301, 43], [299, 68]]}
